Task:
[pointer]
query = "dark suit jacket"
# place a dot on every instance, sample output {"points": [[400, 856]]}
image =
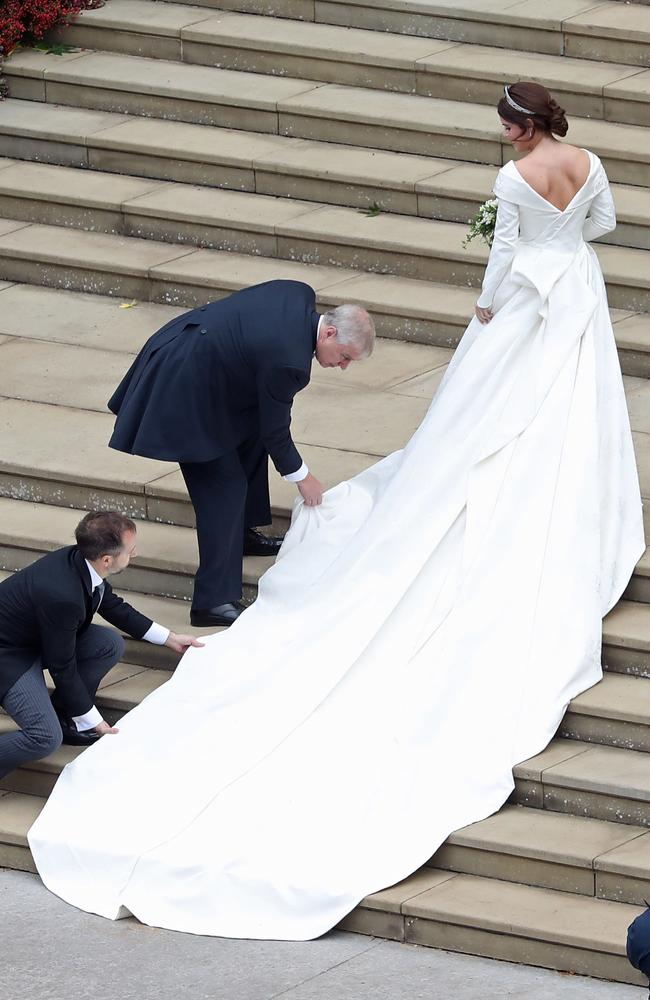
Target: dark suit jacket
{"points": [[220, 375], [638, 943], [43, 608]]}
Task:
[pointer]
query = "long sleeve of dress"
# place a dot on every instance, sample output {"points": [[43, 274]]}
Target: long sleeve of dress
{"points": [[506, 233], [602, 215]]}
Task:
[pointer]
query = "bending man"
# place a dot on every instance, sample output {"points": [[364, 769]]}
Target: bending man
{"points": [[213, 391]]}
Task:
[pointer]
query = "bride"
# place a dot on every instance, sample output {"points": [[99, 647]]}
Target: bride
{"points": [[421, 632]]}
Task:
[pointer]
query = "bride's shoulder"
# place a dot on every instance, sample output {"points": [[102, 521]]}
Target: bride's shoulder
{"points": [[506, 180], [574, 156], [596, 170], [592, 175]]}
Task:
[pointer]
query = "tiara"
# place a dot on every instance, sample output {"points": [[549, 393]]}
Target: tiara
{"points": [[513, 103]]}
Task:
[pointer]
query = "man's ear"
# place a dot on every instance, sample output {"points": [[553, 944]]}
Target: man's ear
{"points": [[330, 331]]}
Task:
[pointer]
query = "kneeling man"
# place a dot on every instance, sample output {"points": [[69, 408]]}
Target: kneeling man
{"points": [[213, 391], [46, 613]]}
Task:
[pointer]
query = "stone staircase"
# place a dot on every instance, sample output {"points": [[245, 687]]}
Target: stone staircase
{"points": [[184, 151]]}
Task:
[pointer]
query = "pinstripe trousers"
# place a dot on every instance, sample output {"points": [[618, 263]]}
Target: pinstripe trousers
{"points": [[28, 700]]}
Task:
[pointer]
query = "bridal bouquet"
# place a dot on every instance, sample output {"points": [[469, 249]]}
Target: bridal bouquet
{"points": [[483, 223]]}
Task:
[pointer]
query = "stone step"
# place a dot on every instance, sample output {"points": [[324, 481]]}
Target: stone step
{"points": [[164, 567], [137, 269], [567, 849], [626, 645], [247, 161], [590, 857], [616, 712], [503, 920], [279, 166], [129, 684], [626, 639], [600, 782], [342, 422], [438, 908], [299, 108], [336, 244], [523, 845], [271, 227], [168, 558], [102, 479], [616, 698], [105, 323], [359, 58], [36, 777], [569, 777], [17, 813], [613, 32], [639, 588]]}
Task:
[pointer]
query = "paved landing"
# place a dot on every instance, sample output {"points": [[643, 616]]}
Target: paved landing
{"points": [[133, 962]]}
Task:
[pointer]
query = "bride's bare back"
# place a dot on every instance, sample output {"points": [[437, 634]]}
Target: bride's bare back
{"points": [[555, 171]]}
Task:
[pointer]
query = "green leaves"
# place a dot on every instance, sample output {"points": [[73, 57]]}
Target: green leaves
{"points": [[55, 48], [372, 211]]}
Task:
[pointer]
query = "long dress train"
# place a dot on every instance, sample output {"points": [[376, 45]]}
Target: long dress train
{"points": [[420, 634]]}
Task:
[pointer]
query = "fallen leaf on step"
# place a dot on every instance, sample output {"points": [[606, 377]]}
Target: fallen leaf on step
{"points": [[128, 305]]}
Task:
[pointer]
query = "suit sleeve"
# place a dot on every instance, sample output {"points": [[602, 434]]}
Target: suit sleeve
{"points": [[58, 623], [115, 610], [276, 388]]}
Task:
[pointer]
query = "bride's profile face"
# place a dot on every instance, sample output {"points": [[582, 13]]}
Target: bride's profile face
{"points": [[516, 134]]}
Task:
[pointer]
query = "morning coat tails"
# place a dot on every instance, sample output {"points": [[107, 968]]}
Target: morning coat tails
{"points": [[220, 375]]}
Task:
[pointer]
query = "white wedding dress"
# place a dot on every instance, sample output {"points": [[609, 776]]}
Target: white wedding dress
{"points": [[420, 634]]}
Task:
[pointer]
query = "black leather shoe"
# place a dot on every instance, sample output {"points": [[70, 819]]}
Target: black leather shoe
{"points": [[73, 737], [222, 614], [258, 544]]}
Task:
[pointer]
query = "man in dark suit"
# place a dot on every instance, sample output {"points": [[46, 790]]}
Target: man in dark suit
{"points": [[638, 943], [213, 391], [46, 613]]}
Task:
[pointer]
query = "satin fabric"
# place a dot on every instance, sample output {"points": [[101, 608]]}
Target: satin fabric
{"points": [[421, 633]]}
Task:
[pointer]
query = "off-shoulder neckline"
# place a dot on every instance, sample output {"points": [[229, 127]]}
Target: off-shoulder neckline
{"points": [[560, 211]]}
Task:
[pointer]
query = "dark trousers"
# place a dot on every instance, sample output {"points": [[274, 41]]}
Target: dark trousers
{"points": [[229, 494], [28, 700]]}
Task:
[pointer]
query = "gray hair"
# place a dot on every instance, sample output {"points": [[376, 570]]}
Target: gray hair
{"points": [[354, 326]]}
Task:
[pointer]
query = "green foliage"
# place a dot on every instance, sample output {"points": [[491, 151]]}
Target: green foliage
{"points": [[372, 211], [55, 49], [483, 223]]}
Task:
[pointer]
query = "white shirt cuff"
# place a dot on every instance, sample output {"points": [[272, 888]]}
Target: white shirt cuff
{"points": [[298, 475], [87, 721], [157, 634]]}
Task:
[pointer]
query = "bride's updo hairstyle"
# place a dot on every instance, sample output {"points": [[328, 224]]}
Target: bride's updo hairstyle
{"points": [[524, 101]]}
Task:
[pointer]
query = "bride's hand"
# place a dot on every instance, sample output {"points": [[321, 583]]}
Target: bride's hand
{"points": [[483, 315]]}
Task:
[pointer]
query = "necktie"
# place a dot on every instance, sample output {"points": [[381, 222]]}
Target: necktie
{"points": [[98, 593]]}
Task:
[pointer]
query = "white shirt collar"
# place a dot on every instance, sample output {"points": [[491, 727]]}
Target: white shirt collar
{"points": [[320, 323], [95, 578]]}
